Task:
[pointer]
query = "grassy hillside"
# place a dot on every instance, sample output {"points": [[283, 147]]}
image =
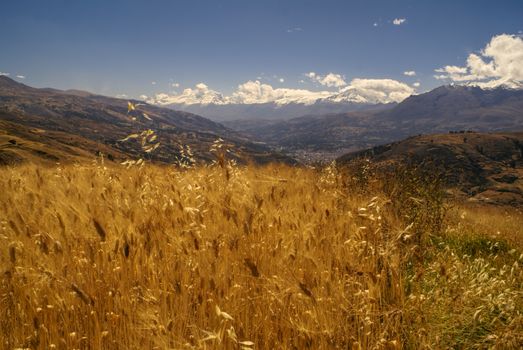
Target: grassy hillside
{"points": [[48, 125], [484, 167], [274, 257]]}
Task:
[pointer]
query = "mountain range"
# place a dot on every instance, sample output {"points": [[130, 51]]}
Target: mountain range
{"points": [[255, 100], [447, 108], [53, 125], [239, 112]]}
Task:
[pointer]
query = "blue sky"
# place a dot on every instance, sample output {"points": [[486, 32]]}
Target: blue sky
{"points": [[121, 47]]}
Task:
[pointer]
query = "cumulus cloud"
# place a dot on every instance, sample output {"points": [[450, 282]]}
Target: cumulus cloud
{"points": [[416, 84], [374, 91], [256, 92], [454, 73], [499, 63], [20, 76], [4, 74], [201, 94], [398, 21], [281, 80], [329, 80], [409, 73]]}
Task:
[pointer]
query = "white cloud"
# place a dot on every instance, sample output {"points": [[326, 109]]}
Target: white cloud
{"points": [[374, 91], [499, 63], [281, 80], [250, 92], [153, 83], [454, 73], [410, 73], [121, 96], [416, 84], [295, 29], [255, 92], [398, 21], [201, 94], [175, 85], [375, 24], [329, 80], [143, 97], [4, 74], [20, 76]]}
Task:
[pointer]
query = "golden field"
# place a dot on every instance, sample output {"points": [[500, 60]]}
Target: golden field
{"points": [[100, 256]]}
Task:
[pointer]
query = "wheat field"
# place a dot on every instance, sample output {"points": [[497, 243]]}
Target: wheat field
{"points": [[99, 256]]}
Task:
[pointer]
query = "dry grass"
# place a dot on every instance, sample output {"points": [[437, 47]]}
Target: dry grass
{"points": [[238, 258]]}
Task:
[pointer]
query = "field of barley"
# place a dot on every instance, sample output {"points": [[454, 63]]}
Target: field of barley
{"points": [[99, 256]]}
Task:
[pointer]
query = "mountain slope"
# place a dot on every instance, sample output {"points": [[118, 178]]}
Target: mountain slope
{"points": [[72, 124], [465, 103], [483, 166]]}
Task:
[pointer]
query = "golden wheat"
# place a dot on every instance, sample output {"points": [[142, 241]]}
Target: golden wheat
{"points": [[230, 257]]}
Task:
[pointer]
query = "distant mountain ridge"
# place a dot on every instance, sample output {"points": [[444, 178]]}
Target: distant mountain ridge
{"points": [[256, 100], [49, 124], [456, 101], [447, 108], [272, 111]]}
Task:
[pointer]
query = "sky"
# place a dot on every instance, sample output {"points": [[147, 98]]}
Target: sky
{"points": [[248, 51]]}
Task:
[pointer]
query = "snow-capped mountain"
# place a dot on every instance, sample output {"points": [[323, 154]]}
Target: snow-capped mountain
{"points": [[254, 99]]}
